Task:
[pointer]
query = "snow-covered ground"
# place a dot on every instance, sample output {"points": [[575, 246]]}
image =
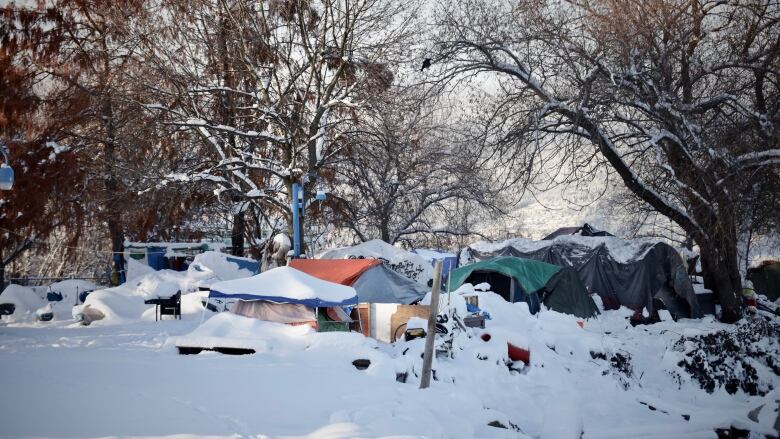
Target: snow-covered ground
{"points": [[124, 377]]}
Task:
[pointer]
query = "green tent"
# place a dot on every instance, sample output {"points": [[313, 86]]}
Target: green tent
{"points": [[766, 279], [533, 282]]}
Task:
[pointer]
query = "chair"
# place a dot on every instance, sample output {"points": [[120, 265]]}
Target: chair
{"points": [[170, 306]]}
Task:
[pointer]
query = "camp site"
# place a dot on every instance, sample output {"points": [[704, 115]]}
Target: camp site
{"points": [[390, 219]]}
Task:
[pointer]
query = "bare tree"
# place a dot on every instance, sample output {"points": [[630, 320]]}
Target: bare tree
{"points": [[679, 98], [269, 87], [409, 173]]}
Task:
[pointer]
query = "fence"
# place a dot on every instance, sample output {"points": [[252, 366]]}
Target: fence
{"points": [[31, 281]]}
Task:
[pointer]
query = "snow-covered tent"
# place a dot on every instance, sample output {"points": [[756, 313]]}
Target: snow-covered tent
{"points": [[283, 295], [533, 282], [406, 263], [636, 274], [373, 281]]}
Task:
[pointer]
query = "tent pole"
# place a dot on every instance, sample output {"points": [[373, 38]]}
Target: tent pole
{"points": [[205, 307]]}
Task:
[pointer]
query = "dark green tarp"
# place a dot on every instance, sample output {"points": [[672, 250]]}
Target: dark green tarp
{"points": [[530, 281]]}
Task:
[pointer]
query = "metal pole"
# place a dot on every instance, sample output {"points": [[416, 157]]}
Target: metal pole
{"points": [[425, 380], [296, 230]]}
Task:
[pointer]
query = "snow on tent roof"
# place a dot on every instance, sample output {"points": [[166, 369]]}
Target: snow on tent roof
{"points": [[286, 285], [374, 282], [340, 271], [399, 260]]}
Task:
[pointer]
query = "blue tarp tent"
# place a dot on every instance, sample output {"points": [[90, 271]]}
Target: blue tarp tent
{"points": [[286, 285]]}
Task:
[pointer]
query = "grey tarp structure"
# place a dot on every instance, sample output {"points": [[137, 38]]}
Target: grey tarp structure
{"points": [[372, 280], [653, 275], [380, 284]]}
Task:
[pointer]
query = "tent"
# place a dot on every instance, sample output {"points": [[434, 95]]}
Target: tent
{"points": [[405, 263], [636, 274], [533, 282], [284, 295], [585, 230], [373, 281], [766, 279], [286, 285]]}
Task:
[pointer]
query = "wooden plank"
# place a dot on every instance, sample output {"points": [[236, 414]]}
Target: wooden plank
{"points": [[425, 380]]}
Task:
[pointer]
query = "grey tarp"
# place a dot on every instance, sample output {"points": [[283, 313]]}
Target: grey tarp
{"points": [[380, 284], [655, 272]]}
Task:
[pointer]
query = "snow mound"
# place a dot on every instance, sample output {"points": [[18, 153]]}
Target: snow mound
{"points": [[116, 306], [71, 287], [24, 299], [401, 261], [228, 330], [210, 267], [137, 269], [126, 302]]}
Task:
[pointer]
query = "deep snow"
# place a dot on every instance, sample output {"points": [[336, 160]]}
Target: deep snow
{"points": [[123, 376]]}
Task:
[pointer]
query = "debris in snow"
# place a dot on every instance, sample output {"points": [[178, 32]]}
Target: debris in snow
{"points": [[736, 360]]}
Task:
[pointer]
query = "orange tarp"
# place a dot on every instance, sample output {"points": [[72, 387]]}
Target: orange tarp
{"points": [[340, 271]]}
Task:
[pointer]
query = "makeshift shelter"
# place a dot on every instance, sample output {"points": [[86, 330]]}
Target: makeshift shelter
{"points": [[635, 274], [585, 230], [766, 279], [449, 261], [533, 282], [406, 263], [372, 280], [283, 295]]}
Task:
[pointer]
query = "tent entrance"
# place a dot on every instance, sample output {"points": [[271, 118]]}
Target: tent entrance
{"points": [[501, 284]]}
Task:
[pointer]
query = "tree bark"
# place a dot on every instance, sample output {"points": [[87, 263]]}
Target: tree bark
{"points": [[113, 213], [238, 232]]}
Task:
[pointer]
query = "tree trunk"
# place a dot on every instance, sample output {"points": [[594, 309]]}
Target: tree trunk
{"points": [[719, 276], [113, 213], [2, 272], [237, 235]]}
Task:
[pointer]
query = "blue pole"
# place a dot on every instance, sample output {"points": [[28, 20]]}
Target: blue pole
{"points": [[296, 231]]}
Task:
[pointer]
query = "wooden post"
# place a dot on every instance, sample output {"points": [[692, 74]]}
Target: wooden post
{"points": [[425, 380]]}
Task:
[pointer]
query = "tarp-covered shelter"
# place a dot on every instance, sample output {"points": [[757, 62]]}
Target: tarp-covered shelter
{"points": [[286, 285], [585, 230], [533, 282], [403, 262], [372, 280], [766, 279], [635, 274], [283, 295]]}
